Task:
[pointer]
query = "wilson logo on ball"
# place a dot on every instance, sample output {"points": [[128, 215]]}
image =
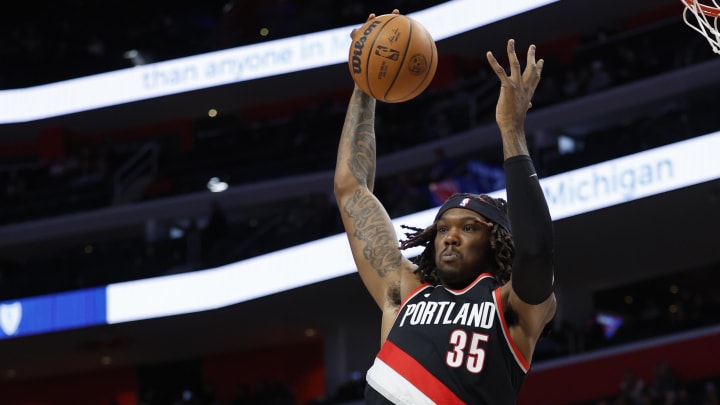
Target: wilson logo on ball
{"points": [[359, 46]]}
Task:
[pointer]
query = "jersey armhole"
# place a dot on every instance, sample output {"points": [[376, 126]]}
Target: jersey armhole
{"points": [[519, 358]]}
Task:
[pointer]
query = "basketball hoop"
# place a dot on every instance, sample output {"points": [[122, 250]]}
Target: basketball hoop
{"points": [[705, 20]]}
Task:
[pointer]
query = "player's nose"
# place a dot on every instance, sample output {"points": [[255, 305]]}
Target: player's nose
{"points": [[451, 237]]}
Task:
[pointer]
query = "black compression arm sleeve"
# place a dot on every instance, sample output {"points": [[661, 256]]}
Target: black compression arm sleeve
{"points": [[532, 268]]}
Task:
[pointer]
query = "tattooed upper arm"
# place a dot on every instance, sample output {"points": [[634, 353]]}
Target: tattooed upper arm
{"points": [[373, 233]]}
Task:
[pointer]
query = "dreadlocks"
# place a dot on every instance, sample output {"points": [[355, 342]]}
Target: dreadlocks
{"points": [[501, 243]]}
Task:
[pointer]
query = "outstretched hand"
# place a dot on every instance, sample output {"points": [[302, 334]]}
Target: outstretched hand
{"points": [[516, 90], [370, 17]]}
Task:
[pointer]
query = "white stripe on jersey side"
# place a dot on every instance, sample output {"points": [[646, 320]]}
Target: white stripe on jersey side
{"points": [[393, 386], [508, 339]]}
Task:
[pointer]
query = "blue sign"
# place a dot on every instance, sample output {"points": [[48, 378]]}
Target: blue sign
{"points": [[52, 313]]}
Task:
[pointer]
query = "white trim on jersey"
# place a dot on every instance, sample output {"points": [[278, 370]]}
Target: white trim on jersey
{"points": [[393, 386]]}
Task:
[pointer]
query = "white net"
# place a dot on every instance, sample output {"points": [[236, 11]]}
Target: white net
{"points": [[703, 18]]}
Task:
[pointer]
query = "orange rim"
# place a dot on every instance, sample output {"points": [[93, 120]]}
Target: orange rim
{"points": [[709, 11]]}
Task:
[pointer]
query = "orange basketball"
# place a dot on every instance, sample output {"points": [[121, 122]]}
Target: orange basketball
{"points": [[392, 58]]}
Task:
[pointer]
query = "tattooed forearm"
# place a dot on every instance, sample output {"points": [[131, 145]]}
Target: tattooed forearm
{"points": [[370, 224], [360, 128]]}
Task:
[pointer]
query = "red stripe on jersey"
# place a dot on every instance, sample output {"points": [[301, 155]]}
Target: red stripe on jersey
{"points": [[413, 293], [417, 375], [513, 347]]}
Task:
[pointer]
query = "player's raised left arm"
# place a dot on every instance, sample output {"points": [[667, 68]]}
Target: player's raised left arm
{"points": [[530, 291]]}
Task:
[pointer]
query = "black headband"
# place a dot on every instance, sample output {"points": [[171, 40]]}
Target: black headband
{"points": [[476, 204]]}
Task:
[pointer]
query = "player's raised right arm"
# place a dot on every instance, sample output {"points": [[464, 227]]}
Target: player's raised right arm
{"points": [[372, 238]]}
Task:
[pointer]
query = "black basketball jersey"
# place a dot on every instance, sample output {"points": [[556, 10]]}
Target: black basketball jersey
{"points": [[449, 347]]}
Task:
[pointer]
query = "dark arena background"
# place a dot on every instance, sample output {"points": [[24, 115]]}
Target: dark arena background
{"points": [[167, 228]]}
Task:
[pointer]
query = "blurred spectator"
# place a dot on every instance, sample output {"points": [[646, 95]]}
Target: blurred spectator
{"points": [[15, 184], [664, 385], [709, 394], [632, 388], [600, 78], [215, 233], [443, 166]]}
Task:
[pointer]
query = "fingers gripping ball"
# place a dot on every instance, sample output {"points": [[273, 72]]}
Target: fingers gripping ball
{"points": [[392, 58]]}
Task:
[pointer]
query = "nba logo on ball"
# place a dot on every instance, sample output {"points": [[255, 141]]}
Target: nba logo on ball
{"points": [[393, 58]]}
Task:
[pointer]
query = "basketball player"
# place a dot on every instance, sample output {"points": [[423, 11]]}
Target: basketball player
{"points": [[460, 323]]}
